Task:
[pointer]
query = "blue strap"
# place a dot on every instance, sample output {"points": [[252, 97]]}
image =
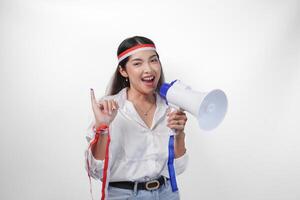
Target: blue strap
{"points": [[171, 164]]}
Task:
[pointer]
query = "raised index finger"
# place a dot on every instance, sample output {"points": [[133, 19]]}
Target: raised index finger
{"points": [[93, 98]]}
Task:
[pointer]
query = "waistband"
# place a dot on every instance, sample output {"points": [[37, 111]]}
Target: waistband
{"points": [[148, 185]]}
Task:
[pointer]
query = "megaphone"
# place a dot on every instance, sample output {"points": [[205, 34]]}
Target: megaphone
{"points": [[208, 107]]}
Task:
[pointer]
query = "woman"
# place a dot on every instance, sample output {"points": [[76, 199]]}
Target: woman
{"points": [[130, 144]]}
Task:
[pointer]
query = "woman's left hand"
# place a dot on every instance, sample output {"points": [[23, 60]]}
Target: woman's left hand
{"points": [[177, 121]]}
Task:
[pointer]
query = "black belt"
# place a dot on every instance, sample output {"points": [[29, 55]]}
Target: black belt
{"points": [[148, 185]]}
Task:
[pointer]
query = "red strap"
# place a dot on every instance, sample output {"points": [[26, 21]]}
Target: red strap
{"points": [[101, 128], [94, 141], [104, 182]]}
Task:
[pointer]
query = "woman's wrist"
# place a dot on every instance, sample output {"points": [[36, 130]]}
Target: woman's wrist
{"points": [[100, 128], [180, 134], [98, 124]]}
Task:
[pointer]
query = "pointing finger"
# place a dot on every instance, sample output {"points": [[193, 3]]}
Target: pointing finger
{"points": [[93, 98]]}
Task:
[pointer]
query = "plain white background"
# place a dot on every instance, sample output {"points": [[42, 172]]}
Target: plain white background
{"points": [[52, 52]]}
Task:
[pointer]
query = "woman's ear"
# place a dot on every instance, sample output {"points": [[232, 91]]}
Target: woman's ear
{"points": [[123, 72]]}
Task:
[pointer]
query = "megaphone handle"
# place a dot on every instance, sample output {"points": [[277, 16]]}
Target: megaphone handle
{"points": [[172, 109]]}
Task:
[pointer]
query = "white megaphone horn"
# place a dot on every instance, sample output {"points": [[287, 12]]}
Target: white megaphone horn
{"points": [[208, 107]]}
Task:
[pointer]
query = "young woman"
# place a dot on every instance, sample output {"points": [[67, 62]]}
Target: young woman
{"points": [[130, 147]]}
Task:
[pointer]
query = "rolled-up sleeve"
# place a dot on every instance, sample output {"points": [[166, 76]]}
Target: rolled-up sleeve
{"points": [[180, 163], [93, 166]]}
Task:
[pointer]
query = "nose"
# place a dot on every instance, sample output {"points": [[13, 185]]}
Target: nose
{"points": [[148, 67]]}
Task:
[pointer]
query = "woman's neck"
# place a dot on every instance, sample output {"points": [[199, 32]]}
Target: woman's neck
{"points": [[136, 96]]}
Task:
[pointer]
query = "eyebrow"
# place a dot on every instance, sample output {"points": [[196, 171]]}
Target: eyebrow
{"points": [[138, 59]]}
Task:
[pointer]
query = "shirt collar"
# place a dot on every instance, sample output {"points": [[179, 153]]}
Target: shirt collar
{"points": [[127, 106]]}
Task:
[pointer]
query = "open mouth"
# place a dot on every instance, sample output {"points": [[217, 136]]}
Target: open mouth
{"points": [[148, 79]]}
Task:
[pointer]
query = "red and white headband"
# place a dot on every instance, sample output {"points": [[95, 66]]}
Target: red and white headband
{"points": [[134, 49]]}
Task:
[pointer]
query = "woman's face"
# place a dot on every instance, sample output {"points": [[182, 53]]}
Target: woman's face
{"points": [[143, 70]]}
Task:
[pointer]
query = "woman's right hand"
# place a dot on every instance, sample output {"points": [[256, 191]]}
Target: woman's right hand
{"points": [[104, 111]]}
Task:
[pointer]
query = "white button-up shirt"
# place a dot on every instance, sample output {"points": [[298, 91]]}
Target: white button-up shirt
{"points": [[136, 152]]}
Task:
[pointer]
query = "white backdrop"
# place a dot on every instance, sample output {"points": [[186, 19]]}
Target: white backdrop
{"points": [[52, 52]]}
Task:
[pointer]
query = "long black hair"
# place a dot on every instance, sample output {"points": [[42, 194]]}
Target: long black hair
{"points": [[118, 82]]}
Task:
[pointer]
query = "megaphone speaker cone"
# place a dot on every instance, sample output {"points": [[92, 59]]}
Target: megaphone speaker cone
{"points": [[212, 110]]}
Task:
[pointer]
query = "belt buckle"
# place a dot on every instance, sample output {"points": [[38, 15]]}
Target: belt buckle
{"points": [[152, 185]]}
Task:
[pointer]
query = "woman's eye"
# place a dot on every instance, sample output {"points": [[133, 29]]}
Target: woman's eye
{"points": [[154, 60], [136, 64]]}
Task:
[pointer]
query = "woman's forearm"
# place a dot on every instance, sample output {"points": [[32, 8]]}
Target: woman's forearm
{"points": [[179, 145], [99, 148]]}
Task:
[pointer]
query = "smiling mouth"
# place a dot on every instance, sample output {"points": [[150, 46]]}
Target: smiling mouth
{"points": [[148, 79]]}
